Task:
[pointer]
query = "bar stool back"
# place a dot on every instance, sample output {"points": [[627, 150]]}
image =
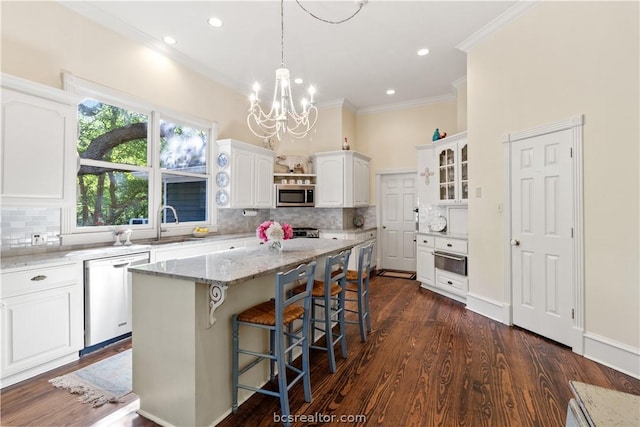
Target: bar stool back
{"points": [[276, 315], [328, 299], [360, 279]]}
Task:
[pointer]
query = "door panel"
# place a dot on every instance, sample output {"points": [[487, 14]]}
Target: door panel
{"points": [[398, 195], [542, 251]]}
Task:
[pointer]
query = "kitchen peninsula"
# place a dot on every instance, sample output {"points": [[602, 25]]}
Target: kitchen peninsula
{"points": [[182, 325]]}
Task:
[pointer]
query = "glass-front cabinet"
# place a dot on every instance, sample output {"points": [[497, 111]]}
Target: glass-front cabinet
{"points": [[453, 177]]}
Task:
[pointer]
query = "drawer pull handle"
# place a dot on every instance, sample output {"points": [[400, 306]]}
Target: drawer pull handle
{"points": [[425, 241], [39, 278], [449, 245], [232, 247], [121, 265], [450, 282]]}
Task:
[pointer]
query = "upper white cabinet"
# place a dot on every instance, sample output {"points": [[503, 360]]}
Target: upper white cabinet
{"points": [[39, 132], [245, 177], [452, 169], [342, 179]]}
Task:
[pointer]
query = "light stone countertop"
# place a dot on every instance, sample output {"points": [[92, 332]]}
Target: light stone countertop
{"points": [[607, 408], [444, 235], [72, 255], [242, 264]]}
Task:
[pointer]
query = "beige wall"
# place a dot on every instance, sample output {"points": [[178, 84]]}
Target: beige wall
{"points": [[390, 137], [461, 106], [558, 60]]}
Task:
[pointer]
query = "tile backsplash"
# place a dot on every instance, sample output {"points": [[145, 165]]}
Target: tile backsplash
{"points": [[18, 224]]}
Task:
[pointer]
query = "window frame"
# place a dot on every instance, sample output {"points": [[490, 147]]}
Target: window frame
{"points": [[74, 234]]}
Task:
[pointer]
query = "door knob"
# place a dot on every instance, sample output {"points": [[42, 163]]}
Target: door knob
{"points": [[515, 242], [384, 227]]}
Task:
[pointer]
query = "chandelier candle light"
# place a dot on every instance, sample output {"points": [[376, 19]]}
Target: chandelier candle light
{"points": [[275, 232], [282, 117]]}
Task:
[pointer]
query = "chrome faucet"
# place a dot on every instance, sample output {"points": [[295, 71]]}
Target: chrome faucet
{"points": [[160, 211]]}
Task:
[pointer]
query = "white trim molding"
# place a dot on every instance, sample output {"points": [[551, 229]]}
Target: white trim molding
{"points": [[487, 307], [498, 23], [574, 123], [611, 353]]}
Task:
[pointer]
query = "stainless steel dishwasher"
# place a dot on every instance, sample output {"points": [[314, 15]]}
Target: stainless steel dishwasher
{"points": [[107, 303]]}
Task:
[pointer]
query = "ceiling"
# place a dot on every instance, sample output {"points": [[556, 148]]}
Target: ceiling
{"points": [[358, 60]]}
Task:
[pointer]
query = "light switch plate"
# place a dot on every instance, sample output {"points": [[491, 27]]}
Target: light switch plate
{"points": [[38, 239]]}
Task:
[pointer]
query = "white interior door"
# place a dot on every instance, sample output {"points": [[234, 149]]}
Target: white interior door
{"points": [[542, 234], [398, 201]]}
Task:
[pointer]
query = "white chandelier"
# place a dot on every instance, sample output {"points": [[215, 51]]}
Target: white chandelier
{"points": [[282, 118]]}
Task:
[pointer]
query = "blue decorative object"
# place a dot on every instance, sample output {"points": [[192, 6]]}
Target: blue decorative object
{"points": [[436, 135]]}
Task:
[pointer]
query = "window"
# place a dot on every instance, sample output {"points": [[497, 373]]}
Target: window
{"points": [[134, 159]]}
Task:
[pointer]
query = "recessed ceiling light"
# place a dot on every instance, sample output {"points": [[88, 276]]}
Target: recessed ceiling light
{"points": [[298, 81], [169, 40], [423, 52], [391, 92], [215, 22]]}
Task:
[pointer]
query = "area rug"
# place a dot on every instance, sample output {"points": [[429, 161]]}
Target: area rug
{"points": [[105, 381], [397, 274]]}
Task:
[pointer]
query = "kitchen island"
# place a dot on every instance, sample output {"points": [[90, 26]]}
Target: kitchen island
{"points": [[182, 325]]}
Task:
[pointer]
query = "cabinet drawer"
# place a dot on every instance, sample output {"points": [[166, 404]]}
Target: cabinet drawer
{"points": [[37, 279], [451, 282], [451, 245], [425, 241]]}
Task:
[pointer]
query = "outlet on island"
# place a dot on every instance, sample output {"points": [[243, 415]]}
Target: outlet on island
{"points": [[38, 239]]}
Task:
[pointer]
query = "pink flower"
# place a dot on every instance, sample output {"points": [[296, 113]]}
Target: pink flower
{"points": [[273, 229]]}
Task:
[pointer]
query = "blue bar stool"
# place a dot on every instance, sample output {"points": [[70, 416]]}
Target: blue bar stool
{"points": [[276, 316], [328, 306], [360, 279]]}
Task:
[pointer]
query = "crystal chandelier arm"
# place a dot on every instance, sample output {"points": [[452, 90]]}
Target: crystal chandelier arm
{"points": [[328, 21]]}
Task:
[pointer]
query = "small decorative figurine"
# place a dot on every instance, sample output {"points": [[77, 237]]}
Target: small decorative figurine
{"points": [[345, 144], [436, 135], [443, 135]]}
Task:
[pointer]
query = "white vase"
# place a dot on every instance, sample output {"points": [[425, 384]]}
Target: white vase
{"points": [[275, 246]]}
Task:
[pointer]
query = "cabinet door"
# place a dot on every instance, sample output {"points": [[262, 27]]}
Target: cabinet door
{"points": [[447, 173], [38, 137], [41, 326], [330, 177], [263, 182], [425, 268], [463, 178], [360, 182], [242, 179]]}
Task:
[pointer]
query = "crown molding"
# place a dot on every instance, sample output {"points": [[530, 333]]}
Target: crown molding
{"points": [[408, 104], [501, 21], [340, 102]]}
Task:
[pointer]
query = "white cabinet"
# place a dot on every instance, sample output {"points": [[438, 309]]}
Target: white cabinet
{"points": [[249, 181], [364, 236], [452, 169], [427, 183], [342, 179], [425, 267], [39, 128], [42, 319]]}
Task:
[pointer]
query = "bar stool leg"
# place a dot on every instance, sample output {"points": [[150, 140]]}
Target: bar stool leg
{"points": [[282, 377], [328, 335], [272, 350], [366, 303], [234, 367], [341, 321]]}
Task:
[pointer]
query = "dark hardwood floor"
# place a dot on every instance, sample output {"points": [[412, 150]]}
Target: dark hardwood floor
{"points": [[428, 362]]}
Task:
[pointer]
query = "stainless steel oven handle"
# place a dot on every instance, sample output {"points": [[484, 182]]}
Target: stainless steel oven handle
{"points": [[453, 257]]}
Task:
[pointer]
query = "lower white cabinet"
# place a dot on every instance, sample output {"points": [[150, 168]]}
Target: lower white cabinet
{"points": [[42, 318], [364, 236], [425, 266], [451, 282]]}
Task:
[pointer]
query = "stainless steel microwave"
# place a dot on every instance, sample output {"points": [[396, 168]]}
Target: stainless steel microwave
{"points": [[288, 195]]}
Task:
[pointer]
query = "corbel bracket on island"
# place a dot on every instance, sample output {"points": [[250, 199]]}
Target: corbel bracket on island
{"points": [[216, 298]]}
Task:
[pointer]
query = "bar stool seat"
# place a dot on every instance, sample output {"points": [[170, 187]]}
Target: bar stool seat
{"points": [[265, 313], [277, 316], [318, 289]]}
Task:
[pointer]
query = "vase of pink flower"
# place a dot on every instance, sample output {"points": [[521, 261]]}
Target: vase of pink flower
{"points": [[274, 233]]}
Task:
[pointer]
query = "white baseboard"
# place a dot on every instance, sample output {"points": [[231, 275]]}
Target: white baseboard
{"points": [[616, 355], [488, 307]]}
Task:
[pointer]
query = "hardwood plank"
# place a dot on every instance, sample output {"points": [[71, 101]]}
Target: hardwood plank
{"points": [[428, 361]]}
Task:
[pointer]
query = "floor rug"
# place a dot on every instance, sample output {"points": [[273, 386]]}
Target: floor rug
{"points": [[397, 274], [105, 381]]}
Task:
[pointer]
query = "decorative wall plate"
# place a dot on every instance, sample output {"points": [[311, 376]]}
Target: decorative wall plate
{"points": [[222, 198], [438, 223], [223, 160], [222, 179], [358, 221]]}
